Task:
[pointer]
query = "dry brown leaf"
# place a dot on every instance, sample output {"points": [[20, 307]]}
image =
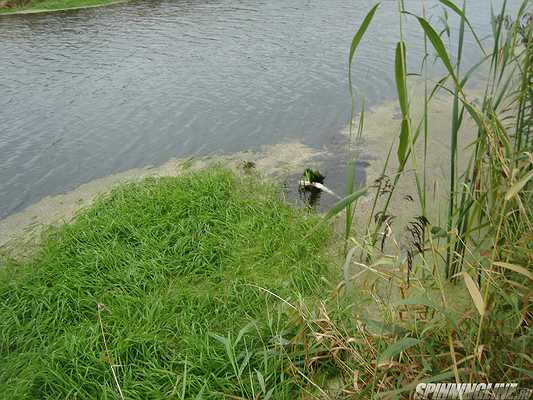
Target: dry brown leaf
{"points": [[474, 293], [516, 268]]}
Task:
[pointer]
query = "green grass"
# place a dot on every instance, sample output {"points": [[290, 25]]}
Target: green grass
{"points": [[55, 5], [160, 280]]}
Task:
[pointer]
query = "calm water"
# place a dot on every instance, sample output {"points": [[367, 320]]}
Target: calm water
{"points": [[87, 93]]}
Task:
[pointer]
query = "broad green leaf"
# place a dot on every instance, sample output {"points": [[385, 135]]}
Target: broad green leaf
{"points": [[261, 380], [350, 177], [244, 364], [401, 86], [243, 331], [269, 394], [339, 206]]}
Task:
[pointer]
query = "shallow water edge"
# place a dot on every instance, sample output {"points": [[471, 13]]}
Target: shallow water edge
{"points": [[279, 161]]}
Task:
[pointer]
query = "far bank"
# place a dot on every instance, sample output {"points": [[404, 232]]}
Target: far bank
{"points": [[32, 7]]}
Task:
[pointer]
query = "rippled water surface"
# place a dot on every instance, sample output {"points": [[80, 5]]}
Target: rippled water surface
{"points": [[87, 93]]}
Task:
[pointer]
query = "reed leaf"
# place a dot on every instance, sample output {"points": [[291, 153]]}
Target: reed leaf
{"points": [[341, 204], [353, 48], [438, 45], [400, 75], [460, 12]]}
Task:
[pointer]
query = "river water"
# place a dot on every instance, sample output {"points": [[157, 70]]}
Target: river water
{"points": [[87, 93]]}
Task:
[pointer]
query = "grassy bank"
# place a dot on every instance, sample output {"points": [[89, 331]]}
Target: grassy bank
{"points": [[50, 5], [154, 292]]}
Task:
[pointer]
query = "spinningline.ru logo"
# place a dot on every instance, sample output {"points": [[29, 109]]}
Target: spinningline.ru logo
{"points": [[471, 391]]}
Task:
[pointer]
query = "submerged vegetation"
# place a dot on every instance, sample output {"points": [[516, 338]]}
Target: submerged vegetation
{"points": [[209, 286]]}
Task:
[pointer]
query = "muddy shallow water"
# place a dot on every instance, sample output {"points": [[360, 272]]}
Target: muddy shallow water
{"points": [[90, 93]]}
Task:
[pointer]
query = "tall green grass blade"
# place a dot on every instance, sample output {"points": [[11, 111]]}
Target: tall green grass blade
{"points": [[394, 394], [343, 203], [438, 45], [473, 69], [353, 48], [361, 125], [451, 255], [352, 167], [401, 87], [184, 380], [360, 33], [400, 75], [350, 184], [462, 14]]}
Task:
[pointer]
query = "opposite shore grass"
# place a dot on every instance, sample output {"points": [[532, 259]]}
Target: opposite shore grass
{"points": [[162, 290], [57, 5]]}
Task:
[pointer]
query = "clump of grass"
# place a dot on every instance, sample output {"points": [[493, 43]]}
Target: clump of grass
{"points": [[313, 176], [154, 292]]}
